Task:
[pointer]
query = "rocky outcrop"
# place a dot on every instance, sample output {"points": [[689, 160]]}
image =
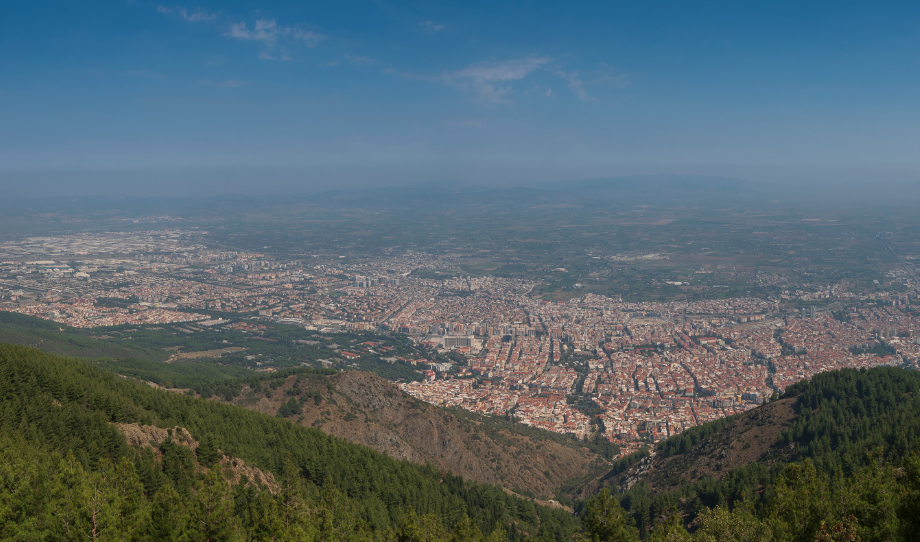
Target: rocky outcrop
{"points": [[234, 469], [140, 436]]}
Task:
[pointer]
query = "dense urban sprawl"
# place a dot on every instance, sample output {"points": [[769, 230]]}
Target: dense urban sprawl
{"points": [[637, 371]]}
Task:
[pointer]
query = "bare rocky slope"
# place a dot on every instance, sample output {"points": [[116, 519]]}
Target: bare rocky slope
{"points": [[234, 469], [366, 409]]}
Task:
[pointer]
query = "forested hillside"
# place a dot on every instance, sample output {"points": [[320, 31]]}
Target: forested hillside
{"points": [[63, 340], [68, 472], [841, 448], [529, 461], [835, 460]]}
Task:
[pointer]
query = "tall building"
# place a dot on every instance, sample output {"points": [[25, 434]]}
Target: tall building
{"points": [[458, 342], [366, 282]]}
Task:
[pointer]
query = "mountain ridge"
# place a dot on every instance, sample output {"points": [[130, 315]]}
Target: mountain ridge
{"points": [[743, 439], [367, 409]]}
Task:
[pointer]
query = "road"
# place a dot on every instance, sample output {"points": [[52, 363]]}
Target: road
{"points": [[900, 260]]}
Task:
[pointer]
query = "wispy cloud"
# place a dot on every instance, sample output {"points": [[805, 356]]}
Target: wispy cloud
{"points": [[488, 79], [310, 38], [197, 16], [281, 55], [429, 26], [265, 31], [269, 32], [575, 83]]}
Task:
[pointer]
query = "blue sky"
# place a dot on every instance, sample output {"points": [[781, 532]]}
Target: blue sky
{"points": [[292, 95]]}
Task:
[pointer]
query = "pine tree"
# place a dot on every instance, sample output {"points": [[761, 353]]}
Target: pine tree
{"points": [[207, 452], [210, 513], [426, 528], [670, 530], [799, 503], [720, 525], [167, 514], [606, 521]]}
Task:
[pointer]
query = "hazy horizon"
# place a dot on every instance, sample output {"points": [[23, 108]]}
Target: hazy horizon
{"points": [[139, 98]]}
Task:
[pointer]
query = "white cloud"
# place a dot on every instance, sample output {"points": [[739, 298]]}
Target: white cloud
{"points": [[265, 30], [429, 26], [487, 78], [312, 39], [282, 55], [197, 16], [575, 83], [268, 32]]}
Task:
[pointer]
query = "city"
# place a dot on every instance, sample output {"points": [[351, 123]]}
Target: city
{"points": [[634, 372], [373, 271]]}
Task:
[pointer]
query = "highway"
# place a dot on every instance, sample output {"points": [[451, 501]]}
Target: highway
{"points": [[900, 260]]}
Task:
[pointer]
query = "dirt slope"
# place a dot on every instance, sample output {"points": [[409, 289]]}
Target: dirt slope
{"points": [[367, 409]]}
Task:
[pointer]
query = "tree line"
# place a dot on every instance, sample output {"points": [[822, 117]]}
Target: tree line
{"points": [[67, 473], [66, 409], [855, 432]]}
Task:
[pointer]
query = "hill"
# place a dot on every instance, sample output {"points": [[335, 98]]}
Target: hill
{"points": [[843, 432], [84, 452], [710, 451], [67, 465], [63, 340], [366, 409]]}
